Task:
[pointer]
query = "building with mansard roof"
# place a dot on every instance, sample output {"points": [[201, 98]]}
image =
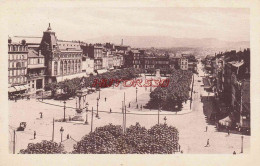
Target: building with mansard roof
{"points": [[63, 59], [17, 67]]}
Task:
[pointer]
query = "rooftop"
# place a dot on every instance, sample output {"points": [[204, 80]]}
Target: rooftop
{"points": [[34, 54]]}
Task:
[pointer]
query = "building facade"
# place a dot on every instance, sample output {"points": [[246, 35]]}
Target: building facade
{"points": [[94, 52], [63, 59], [183, 62], [17, 67], [35, 71]]}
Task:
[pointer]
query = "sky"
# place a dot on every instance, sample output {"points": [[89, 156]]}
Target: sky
{"points": [[229, 24]]}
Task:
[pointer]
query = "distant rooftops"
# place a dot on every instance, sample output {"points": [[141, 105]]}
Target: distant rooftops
{"points": [[28, 39], [68, 45]]}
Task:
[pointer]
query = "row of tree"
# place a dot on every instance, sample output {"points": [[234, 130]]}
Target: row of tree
{"points": [[110, 139], [69, 87], [171, 97]]}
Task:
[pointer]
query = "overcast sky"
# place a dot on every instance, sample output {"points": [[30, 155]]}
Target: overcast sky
{"points": [[83, 23]]}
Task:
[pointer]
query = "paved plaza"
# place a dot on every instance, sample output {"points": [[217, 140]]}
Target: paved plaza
{"points": [[191, 123]]}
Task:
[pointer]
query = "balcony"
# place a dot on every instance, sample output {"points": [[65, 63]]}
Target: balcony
{"points": [[35, 75]]}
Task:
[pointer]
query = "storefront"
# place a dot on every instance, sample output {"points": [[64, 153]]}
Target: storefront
{"points": [[17, 91]]}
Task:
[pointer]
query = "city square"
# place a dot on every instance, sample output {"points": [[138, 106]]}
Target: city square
{"points": [[145, 82], [191, 123]]}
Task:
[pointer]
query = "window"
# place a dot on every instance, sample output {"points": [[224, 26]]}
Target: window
{"points": [[18, 64], [61, 67], [65, 67], [69, 67], [55, 68]]}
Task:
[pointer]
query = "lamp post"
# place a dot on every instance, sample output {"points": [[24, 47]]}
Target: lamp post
{"points": [[99, 93], [97, 116], [64, 111], [242, 137], [61, 132], [136, 93], [159, 114], [86, 114], [76, 102]]}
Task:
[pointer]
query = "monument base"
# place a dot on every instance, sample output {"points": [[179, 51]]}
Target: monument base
{"points": [[77, 117]]}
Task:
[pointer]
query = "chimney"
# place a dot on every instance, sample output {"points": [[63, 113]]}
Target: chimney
{"points": [[23, 42], [9, 40], [122, 42]]}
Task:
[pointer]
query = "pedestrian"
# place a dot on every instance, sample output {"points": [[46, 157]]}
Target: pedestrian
{"points": [[68, 136], [234, 153], [206, 128], [15, 99], [34, 135], [129, 105], [41, 115], [110, 110], [137, 106], [141, 107], [207, 143], [105, 99], [228, 131], [179, 148]]}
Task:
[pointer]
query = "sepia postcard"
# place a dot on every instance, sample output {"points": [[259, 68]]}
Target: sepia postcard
{"points": [[129, 83]]}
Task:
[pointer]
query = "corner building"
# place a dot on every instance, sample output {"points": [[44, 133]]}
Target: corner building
{"points": [[63, 59]]}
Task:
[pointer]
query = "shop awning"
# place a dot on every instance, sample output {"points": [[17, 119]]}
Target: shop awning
{"points": [[226, 121], [20, 88], [101, 71], [11, 89], [26, 86]]}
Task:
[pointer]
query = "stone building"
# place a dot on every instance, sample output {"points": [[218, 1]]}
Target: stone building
{"points": [[94, 52], [35, 71], [17, 67], [183, 62], [63, 59]]}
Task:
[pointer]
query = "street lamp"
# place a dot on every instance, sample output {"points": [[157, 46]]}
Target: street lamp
{"points": [[61, 132], [97, 116], [242, 137], [64, 111], [76, 102], [136, 93], [99, 93], [159, 113], [86, 114]]}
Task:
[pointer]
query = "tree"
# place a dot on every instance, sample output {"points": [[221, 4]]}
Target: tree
{"points": [[44, 147], [110, 139], [53, 87], [171, 97]]}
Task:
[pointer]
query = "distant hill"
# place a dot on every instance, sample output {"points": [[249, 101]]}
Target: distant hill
{"points": [[167, 42]]}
